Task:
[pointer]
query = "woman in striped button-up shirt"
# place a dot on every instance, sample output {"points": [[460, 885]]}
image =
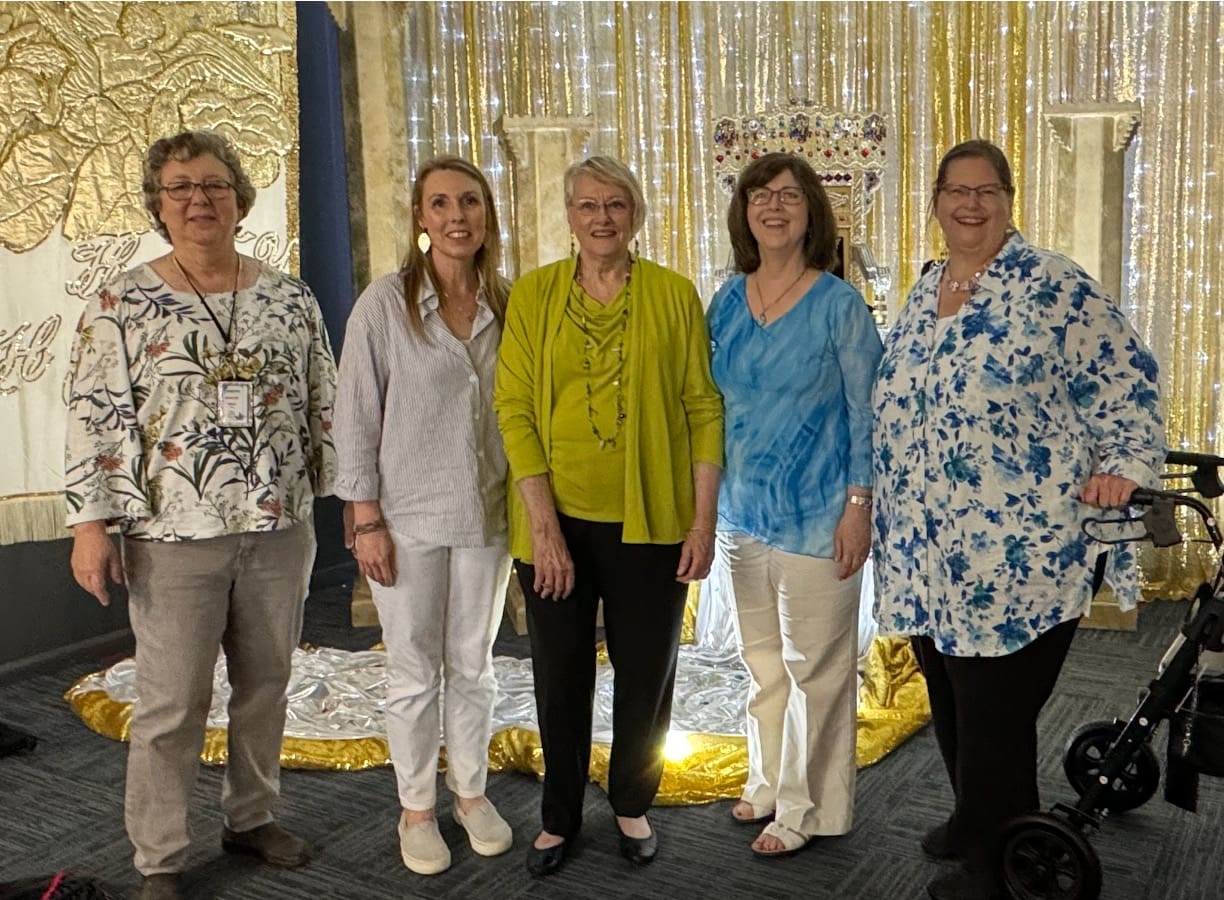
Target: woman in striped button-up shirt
{"points": [[421, 461]]}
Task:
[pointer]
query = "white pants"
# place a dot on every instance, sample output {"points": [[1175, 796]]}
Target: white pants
{"points": [[797, 627], [439, 620]]}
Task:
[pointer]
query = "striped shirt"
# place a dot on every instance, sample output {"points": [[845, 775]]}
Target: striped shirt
{"points": [[414, 425]]}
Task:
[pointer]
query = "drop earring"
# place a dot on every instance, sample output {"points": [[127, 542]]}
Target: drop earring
{"points": [[637, 250], [573, 250], [424, 242]]}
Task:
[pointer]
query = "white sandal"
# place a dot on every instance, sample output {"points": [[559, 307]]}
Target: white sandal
{"points": [[792, 841], [759, 813]]}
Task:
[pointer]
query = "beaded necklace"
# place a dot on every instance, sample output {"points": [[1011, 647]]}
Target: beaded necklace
{"points": [[588, 349]]}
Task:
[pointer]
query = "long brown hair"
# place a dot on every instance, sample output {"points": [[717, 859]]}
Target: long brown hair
{"points": [[418, 265], [820, 239]]}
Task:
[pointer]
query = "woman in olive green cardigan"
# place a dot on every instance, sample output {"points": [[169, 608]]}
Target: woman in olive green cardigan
{"points": [[613, 429]]}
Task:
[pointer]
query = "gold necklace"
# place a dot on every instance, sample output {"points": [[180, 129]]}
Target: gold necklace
{"points": [[760, 317], [588, 348]]}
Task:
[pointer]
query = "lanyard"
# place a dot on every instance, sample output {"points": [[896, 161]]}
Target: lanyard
{"points": [[225, 332]]}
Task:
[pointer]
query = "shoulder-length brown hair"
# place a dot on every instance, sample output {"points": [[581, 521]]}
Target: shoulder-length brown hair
{"points": [[418, 265], [820, 239]]}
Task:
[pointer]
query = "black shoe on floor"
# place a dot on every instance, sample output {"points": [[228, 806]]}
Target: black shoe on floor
{"points": [[541, 862], [270, 842], [639, 851], [163, 886], [964, 884], [938, 843]]}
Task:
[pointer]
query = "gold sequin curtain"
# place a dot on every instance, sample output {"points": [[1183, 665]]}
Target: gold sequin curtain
{"points": [[654, 76]]}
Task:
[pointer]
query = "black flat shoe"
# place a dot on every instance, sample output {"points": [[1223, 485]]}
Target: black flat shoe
{"points": [[964, 884], [546, 861], [639, 851], [939, 844]]}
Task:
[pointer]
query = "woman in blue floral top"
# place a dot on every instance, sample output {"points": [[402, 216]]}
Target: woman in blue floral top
{"points": [[1012, 399], [199, 420]]}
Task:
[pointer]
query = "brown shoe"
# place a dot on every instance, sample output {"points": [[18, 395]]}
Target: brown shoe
{"points": [[271, 843], [163, 886]]}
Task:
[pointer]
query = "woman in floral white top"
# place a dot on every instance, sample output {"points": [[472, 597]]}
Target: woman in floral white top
{"points": [[1013, 397], [198, 423]]}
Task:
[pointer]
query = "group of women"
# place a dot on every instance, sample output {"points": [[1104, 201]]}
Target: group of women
{"points": [[593, 425]]}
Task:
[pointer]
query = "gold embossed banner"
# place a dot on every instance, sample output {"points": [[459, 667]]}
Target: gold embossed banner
{"points": [[657, 76], [85, 88]]}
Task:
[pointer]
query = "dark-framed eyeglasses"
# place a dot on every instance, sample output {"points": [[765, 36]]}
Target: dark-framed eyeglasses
{"points": [[183, 190], [983, 192], [763, 196]]}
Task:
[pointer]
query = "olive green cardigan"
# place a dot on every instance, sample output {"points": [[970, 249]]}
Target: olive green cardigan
{"points": [[674, 414]]}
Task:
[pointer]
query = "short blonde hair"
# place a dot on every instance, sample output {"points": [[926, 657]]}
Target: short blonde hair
{"points": [[609, 171]]}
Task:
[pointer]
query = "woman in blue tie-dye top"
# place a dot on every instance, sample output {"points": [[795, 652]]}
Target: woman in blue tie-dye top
{"points": [[795, 353], [1013, 398]]}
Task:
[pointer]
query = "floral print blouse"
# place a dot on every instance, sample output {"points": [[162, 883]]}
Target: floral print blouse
{"points": [[144, 449], [986, 428]]}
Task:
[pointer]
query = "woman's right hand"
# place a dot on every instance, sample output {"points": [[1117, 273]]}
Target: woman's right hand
{"points": [[95, 558], [554, 568], [375, 554]]}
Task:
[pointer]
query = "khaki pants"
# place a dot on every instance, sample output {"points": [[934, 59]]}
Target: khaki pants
{"points": [[798, 634], [244, 594]]}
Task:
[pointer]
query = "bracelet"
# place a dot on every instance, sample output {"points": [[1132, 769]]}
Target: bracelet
{"points": [[698, 530], [859, 500], [370, 527]]}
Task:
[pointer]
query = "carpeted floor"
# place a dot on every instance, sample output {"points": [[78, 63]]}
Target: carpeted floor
{"points": [[61, 808]]}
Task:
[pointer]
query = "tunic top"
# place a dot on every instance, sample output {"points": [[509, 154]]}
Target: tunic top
{"points": [[144, 448], [798, 412], [983, 439]]}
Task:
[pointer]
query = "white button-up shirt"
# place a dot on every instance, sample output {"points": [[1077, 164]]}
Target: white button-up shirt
{"points": [[414, 423]]}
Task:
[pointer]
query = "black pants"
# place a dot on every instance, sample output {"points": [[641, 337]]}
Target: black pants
{"points": [[985, 714], [643, 606]]}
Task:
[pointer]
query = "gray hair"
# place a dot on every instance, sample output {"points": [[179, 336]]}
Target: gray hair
{"points": [[609, 171], [185, 146]]}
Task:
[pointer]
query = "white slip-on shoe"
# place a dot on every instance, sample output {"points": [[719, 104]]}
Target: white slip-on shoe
{"points": [[487, 831], [422, 847]]}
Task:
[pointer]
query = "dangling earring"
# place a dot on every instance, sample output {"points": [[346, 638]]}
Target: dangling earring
{"points": [[637, 250], [573, 251], [424, 242]]}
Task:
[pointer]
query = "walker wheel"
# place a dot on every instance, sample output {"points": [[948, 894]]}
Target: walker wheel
{"points": [[1085, 754], [1044, 858]]}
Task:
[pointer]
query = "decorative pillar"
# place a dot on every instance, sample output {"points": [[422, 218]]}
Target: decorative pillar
{"points": [[1091, 142], [541, 148]]}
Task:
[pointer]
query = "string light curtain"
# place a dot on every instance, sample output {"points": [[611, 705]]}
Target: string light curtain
{"points": [[655, 75]]}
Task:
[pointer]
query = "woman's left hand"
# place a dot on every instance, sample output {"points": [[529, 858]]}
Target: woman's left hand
{"points": [[696, 555], [1104, 491], [852, 540]]}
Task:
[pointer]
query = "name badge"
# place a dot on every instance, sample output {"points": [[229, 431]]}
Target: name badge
{"points": [[234, 404]]}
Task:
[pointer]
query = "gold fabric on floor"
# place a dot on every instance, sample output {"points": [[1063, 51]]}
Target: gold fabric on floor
{"points": [[700, 767]]}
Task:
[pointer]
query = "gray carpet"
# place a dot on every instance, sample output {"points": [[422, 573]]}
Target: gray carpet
{"points": [[61, 808]]}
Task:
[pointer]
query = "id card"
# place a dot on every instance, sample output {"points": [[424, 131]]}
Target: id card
{"points": [[234, 404]]}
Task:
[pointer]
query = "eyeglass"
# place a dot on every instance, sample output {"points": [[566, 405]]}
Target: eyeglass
{"points": [[613, 207], [183, 190], [763, 196], [984, 192]]}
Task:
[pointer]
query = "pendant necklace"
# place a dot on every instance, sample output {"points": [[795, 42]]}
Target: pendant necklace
{"points": [[606, 441], [761, 318], [968, 286]]}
